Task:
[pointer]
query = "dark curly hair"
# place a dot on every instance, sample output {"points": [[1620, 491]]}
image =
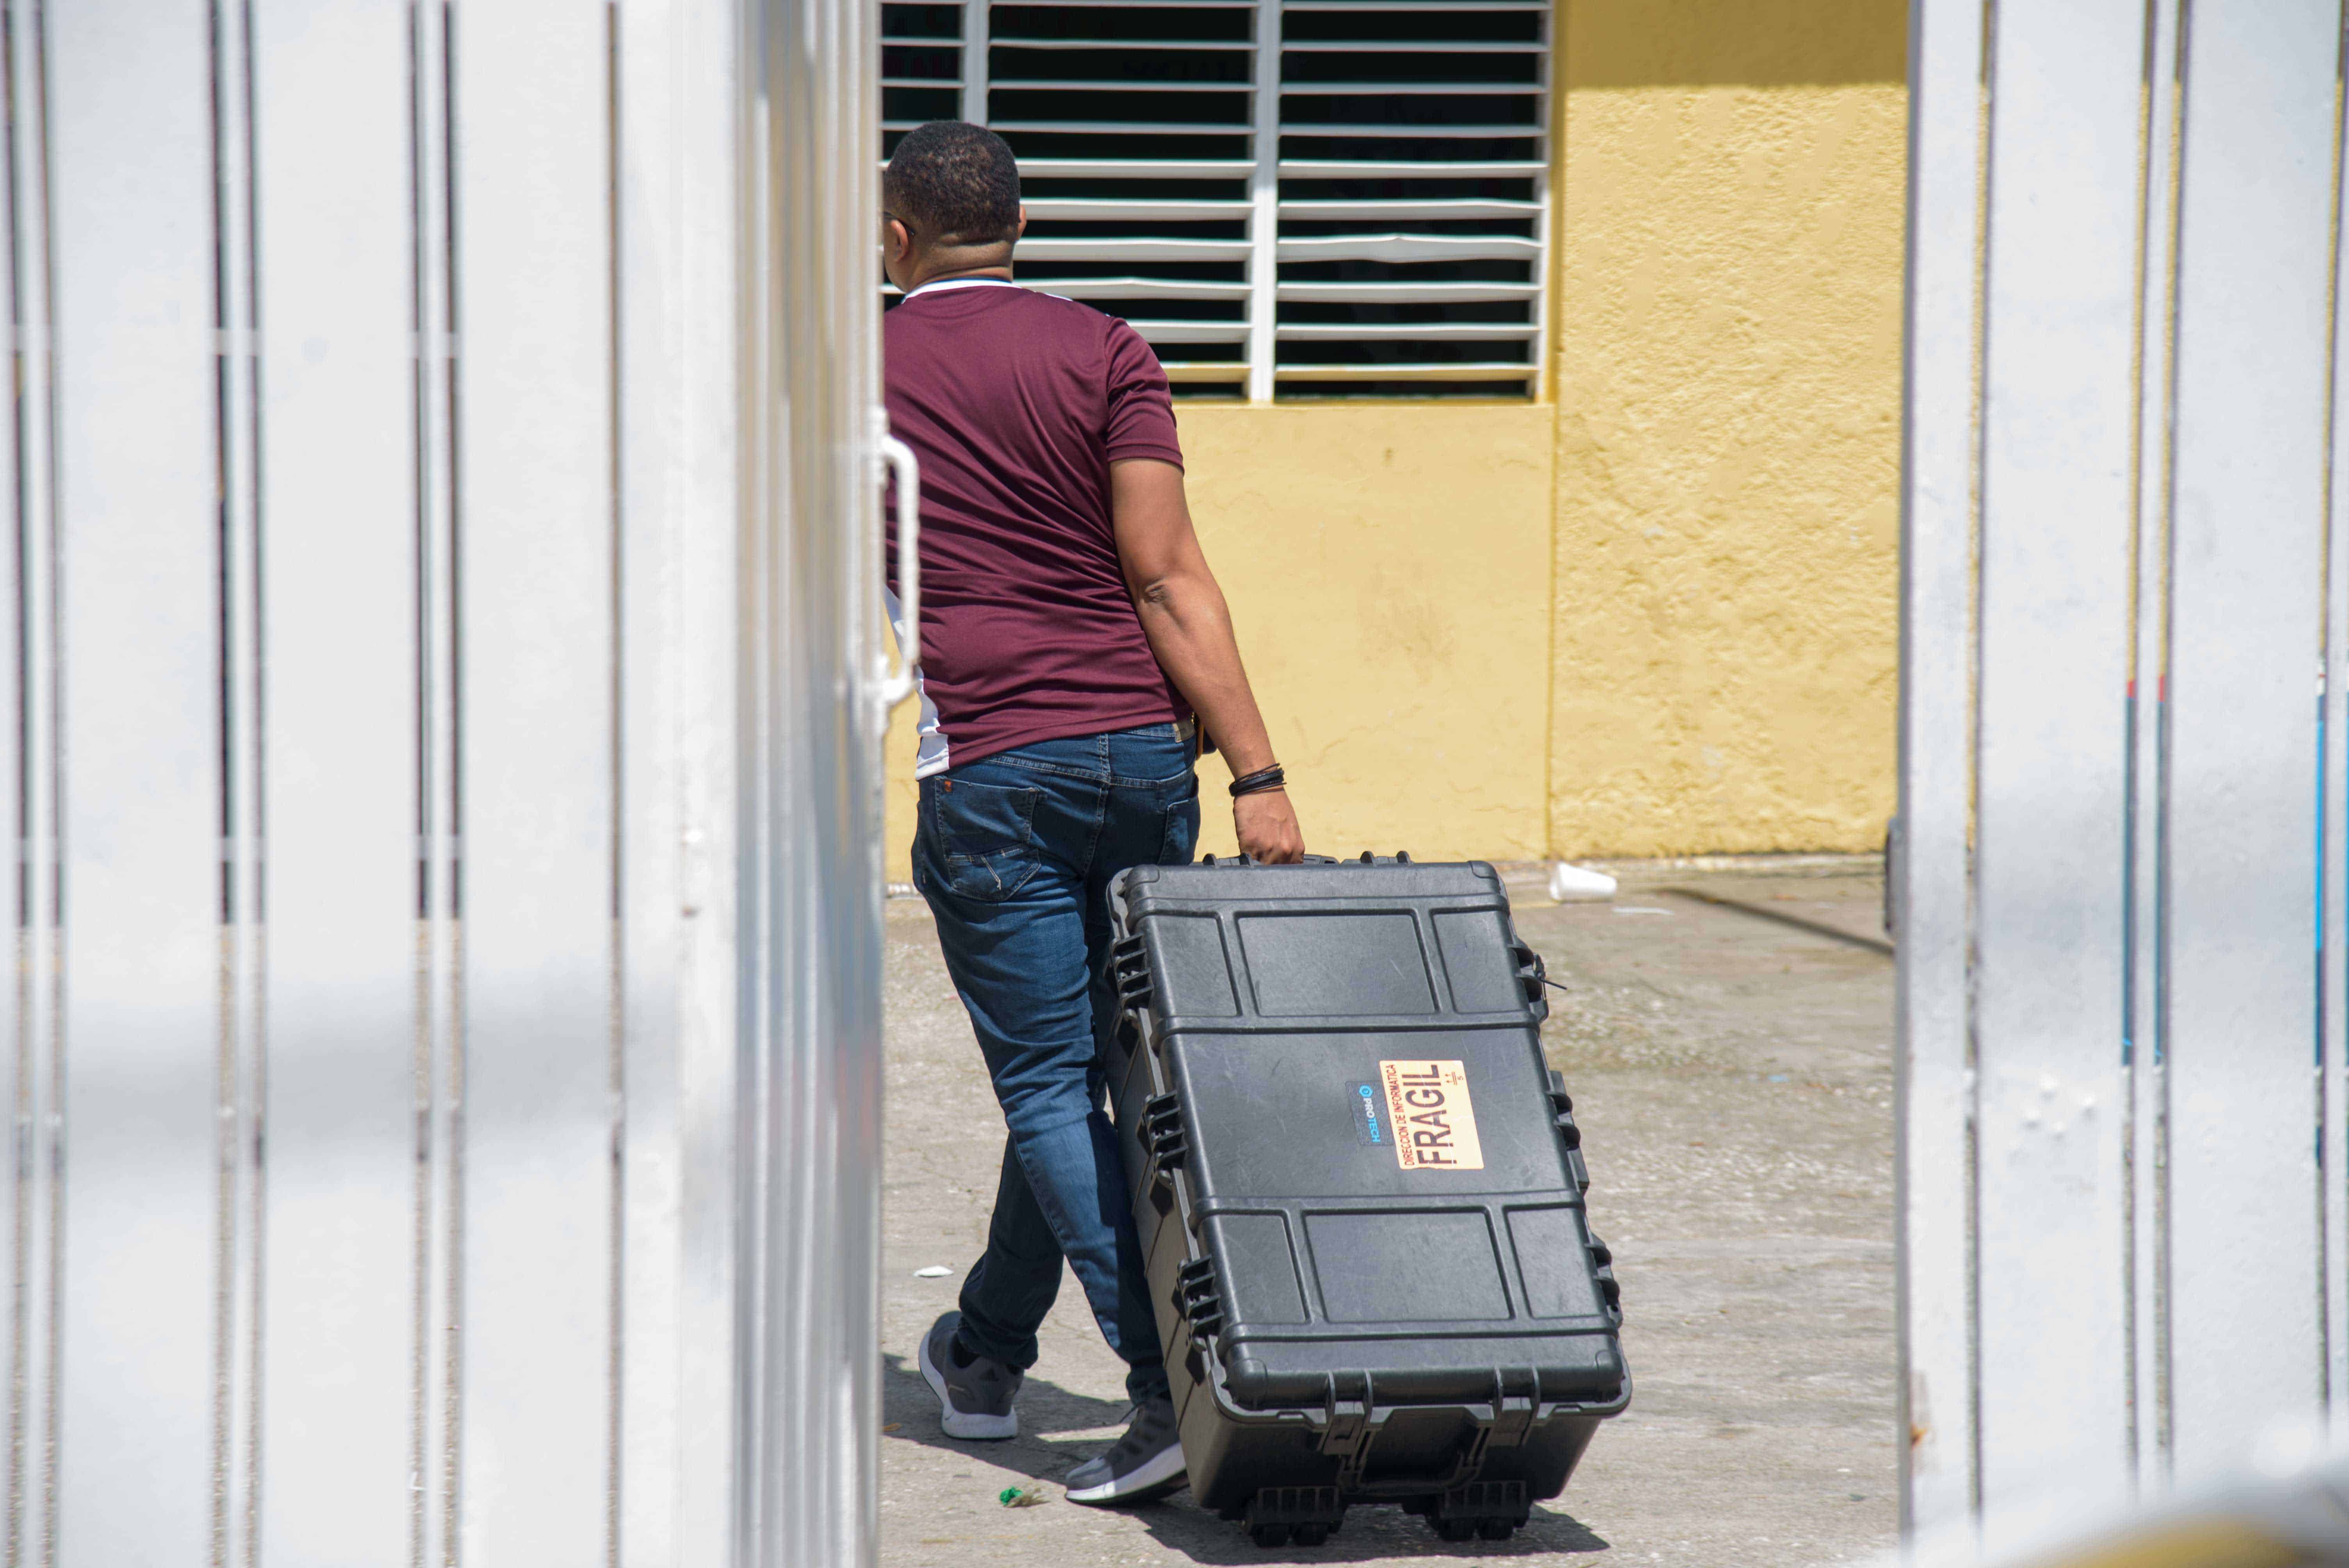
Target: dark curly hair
{"points": [[954, 184]]}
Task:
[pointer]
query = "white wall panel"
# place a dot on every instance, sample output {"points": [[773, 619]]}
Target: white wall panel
{"points": [[534, 521], [681, 472], [31, 1020], [139, 532], [338, 507], [2118, 453], [447, 455], [2254, 275], [2055, 570], [2147, 1110], [1935, 1151]]}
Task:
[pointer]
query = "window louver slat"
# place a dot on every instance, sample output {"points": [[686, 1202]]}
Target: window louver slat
{"points": [[1405, 294], [1057, 250], [1409, 248], [1427, 331], [1392, 211], [1319, 198]]}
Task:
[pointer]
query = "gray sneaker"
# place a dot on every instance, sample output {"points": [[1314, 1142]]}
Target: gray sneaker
{"points": [[974, 1397], [1146, 1463]]}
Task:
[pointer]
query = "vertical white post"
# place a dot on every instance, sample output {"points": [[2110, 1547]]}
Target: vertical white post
{"points": [[2332, 840], [681, 471], [1934, 1153], [338, 506], [2247, 598], [36, 1075], [1264, 207], [439, 1191], [810, 893], [240, 1251], [2058, 435], [536, 589], [139, 536], [2149, 717], [1550, 144], [974, 60]]}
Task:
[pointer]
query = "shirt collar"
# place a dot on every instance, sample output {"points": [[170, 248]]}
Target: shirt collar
{"points": [[942, 284]]}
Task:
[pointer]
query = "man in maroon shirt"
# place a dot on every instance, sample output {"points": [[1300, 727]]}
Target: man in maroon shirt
{"points": [[1071, 631]]}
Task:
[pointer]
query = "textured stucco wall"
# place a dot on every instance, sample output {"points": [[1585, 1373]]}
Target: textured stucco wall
{"points": [[1388, 570], [1729, 282]]}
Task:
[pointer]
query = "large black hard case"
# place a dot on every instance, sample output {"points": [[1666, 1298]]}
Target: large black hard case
{"points": [[1344, 1323]]}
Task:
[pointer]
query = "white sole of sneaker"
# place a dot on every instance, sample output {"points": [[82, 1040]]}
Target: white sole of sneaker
{"points": [[1158, 1475], [957, 1423]]}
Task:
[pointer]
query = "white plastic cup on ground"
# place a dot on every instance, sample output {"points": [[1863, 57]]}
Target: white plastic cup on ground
{"points": [[1573, 884]]}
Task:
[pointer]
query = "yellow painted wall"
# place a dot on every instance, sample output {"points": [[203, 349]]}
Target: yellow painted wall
{"points": [[1728, 273], [1388, 569], [1657, 615]]}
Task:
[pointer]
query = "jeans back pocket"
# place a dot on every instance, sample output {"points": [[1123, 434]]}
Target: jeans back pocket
{"points": [[1180, 837], [984, 836]]}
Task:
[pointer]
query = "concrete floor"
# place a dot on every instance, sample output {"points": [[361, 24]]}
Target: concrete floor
{"points": [[1730, 1066]]}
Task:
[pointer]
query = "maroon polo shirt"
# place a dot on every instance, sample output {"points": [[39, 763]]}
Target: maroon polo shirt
{"points": [[1017, 403]]}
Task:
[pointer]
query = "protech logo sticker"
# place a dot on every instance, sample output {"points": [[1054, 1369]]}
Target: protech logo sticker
{"points": [[1369, 1121], [1433, 1118]]}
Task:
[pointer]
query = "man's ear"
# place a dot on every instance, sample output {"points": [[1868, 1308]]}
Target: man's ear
{"points": [[1021, 232], [900, 242]]}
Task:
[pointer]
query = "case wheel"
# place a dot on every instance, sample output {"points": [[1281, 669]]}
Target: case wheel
{"points": [[1492, 1509], [1304, 1514]]}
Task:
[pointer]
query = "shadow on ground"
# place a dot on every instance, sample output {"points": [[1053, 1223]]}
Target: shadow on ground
{"points": [[1059, 1429]]}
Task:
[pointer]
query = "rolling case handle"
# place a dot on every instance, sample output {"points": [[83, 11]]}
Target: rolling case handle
{"points": [[1402, 858]]}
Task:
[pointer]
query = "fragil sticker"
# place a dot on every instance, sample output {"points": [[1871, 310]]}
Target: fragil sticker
{"points": [[1433, 1119]]}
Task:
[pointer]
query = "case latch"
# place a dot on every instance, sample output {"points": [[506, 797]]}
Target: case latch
{"points": [[1129, 974], [1602, 1262], [1348, 1434], [1533, 976], [1196, 1301], [1569, 1136], [1162, 1133], [1517, 1395]]}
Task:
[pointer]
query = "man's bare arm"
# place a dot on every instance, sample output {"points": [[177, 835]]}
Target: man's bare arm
{"points": [[1190, 629]]}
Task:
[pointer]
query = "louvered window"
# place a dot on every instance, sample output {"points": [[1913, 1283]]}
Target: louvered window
{"points": [[1317, 197]]}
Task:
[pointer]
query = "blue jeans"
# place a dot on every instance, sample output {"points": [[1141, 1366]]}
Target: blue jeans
{"points": [[1015, 854]]}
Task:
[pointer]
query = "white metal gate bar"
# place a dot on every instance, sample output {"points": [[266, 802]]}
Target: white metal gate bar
{"points": [[2052, 651], [145, 1018], [2122, 274], [812, 858], [533, 595], [1931, 894], [339, 371], [682, 471], [2255, 234], [444, 763], [2147, 720]]}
